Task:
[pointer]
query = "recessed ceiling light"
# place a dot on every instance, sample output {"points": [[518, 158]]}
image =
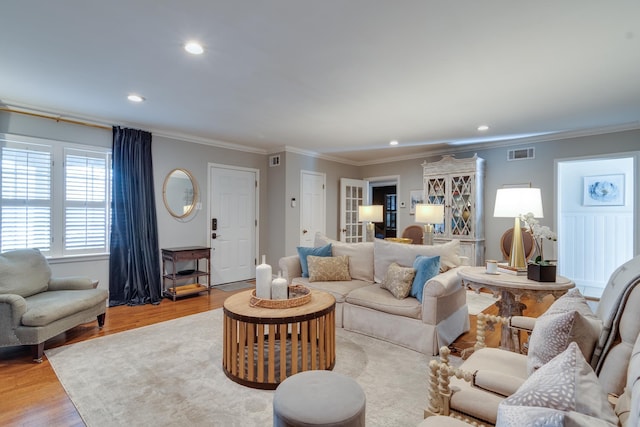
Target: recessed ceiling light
{"points": [[482, 128], [194, 48], [135, 98], [393, 143]]}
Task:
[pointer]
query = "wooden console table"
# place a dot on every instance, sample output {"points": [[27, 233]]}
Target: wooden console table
{"points": [[187, 253], [264, 346]]}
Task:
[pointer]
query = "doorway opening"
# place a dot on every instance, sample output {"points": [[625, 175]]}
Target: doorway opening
{"points": [[384, 191], [596, 229]]}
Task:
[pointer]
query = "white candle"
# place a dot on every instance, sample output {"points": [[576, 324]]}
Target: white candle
{"points": [[279, 287], [263, 280]]}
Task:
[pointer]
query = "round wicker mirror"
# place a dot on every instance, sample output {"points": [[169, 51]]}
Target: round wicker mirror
{"points": [[180, 193]]}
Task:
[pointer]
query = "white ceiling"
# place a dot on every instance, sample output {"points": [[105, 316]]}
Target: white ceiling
{"points": [[337, 77]]}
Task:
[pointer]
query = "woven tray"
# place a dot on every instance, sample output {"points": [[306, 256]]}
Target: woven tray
{"points": [[298, 295]]}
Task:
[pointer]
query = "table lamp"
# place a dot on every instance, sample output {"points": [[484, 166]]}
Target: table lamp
{"points": [[370, 213], [429, 215], [511, 203]]}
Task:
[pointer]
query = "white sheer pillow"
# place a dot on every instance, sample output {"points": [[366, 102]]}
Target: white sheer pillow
{"points": [[568, 319], [563, 392]]}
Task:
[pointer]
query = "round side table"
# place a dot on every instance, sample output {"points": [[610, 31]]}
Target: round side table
{"points": [[511, 288]]}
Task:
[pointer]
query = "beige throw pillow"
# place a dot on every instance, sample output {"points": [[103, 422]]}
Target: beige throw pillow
{"points": [[327, 269], [360, 256], [398, 280], [564, 392], [569, 319]]}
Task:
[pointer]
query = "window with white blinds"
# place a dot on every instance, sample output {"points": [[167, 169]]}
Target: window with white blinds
{"points": [[85, 201], [55, 197], [26, 197]]}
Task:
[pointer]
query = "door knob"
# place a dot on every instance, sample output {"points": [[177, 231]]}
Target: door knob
{"points": [[304, 231]]}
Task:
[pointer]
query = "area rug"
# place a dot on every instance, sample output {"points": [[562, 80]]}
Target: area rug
{"points": [[234, 286], [477, 303], [170, 374]]}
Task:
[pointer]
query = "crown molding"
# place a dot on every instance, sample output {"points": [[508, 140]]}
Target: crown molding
{"points": [[18, 107]]}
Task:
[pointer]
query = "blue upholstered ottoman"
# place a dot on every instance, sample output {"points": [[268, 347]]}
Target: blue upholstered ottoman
{"points": [[319, 398]]}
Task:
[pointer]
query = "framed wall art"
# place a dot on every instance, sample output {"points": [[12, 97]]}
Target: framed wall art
{"points": [[415, 197], [603, 190]]}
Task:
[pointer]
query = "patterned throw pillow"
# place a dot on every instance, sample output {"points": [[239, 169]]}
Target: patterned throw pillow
{"points": [[567, 320], [327, 269], [398, 280], [304, 252], [565, 391]]}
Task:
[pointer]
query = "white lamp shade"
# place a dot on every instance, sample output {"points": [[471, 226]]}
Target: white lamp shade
{"points": [[429, 214], [513, 202], [372, 213]]}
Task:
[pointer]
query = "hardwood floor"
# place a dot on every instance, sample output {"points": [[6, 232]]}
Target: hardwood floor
{"points": [[31, 395]]}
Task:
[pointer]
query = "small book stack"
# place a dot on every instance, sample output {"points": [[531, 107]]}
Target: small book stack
{"points": [[505, 268]]}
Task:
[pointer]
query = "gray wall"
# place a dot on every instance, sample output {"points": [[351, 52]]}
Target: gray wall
{"points": [[169, 154], [279, 222], [498, 171], [284, 184]]}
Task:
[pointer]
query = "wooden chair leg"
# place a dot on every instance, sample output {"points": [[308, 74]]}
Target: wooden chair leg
{"points": [[101, 318], [37, 351]]}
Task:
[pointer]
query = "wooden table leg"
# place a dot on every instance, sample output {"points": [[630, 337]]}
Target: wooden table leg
{"points": [[508, 306]]}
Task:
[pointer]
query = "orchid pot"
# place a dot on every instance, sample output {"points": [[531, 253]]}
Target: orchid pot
{"points": [[541, 272]]}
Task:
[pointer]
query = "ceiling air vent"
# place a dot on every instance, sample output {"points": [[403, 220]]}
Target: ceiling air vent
{"points": [[521, 154], [274, 161]]}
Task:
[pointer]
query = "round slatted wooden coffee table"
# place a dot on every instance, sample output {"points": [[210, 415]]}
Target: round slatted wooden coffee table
{"points": [[264, 346]]}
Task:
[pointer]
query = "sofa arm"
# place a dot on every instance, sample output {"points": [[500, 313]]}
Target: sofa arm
{"points": [[290, 267], [70, 283], [523, 323], [443, 284], [12, 307], [497, 382]]}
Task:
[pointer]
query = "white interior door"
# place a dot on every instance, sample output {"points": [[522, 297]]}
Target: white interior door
{"points": [[353, 193], [233, 225], [312, 206]]}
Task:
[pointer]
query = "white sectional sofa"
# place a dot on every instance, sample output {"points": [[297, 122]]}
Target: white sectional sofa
{"points": [[363, 306]]}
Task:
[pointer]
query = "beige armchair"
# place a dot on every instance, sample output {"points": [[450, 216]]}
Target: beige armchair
{"points": [[35, 307], [626, 407], [474, 390]]}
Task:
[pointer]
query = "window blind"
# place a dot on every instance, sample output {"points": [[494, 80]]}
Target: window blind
{"points": [[55, 197], [26, 197], [86, 201]]}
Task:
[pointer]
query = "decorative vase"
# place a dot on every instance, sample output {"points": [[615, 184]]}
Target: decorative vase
{"points": [[279, 287], [541, 273], [263, 280]]}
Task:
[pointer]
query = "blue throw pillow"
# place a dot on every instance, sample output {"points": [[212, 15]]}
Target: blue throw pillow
{"points": [[426, 267], [303, 252]]}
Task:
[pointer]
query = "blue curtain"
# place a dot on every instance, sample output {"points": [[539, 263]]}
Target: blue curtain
{"points": [[134, 262]]}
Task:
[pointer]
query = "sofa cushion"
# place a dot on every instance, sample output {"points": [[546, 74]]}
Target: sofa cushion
{"points": [[24, 272], [376, 298], [339, 289], [398, 280], [565, 391], [568, 319], [303, 252], [47, 307], [426, 267], [384, 253], [360, 255], [325, 269]]}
